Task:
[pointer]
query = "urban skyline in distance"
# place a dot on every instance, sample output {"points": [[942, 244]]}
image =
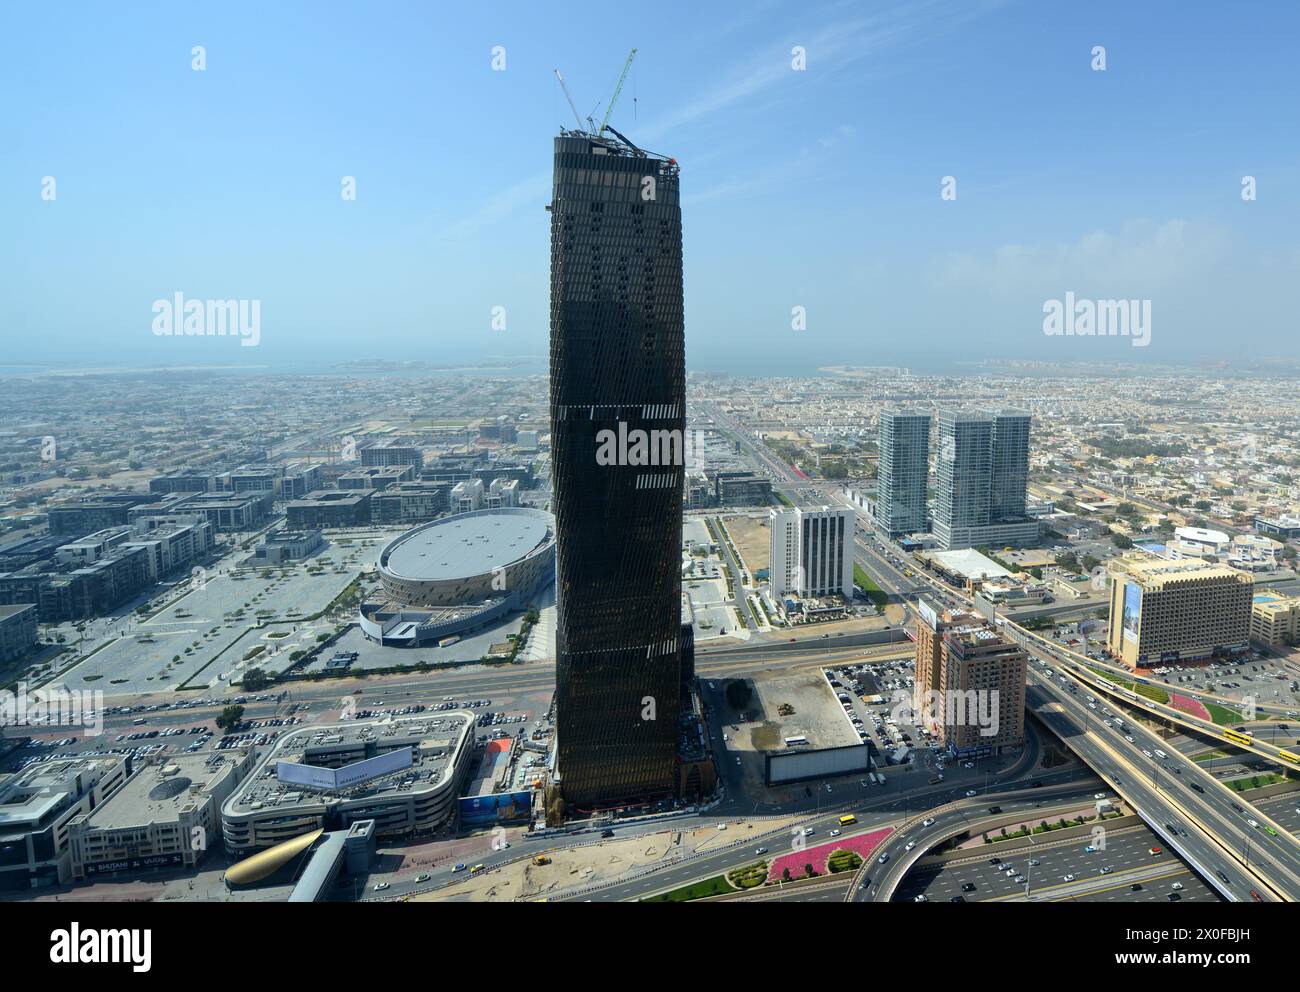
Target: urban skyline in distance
{"points": [[864, 491]]}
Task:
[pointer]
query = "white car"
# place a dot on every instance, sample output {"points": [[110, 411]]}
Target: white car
{"points": [[1129, 739], [835, 832], [929, 821], [1068, 878], [1099, 795], [1148, 754], [910, 844], [971, 792], [1177, 886]]}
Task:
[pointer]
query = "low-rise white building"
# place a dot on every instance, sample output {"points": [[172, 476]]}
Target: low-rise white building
{"points": [[166, 815], [36, 808]]}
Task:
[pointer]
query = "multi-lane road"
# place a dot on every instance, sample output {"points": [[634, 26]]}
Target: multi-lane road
{"points": [[877, 881]]}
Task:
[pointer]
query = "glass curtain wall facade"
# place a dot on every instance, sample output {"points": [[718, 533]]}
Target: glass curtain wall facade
{"points": [[618, 399]]}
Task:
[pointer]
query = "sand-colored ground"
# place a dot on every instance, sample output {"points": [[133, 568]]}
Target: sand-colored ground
{"points": [[752, 538], [594, 864]]}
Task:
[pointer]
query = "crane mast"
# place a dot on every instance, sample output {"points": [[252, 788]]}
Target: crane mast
{"points": [[576, 116], [609, 109]]}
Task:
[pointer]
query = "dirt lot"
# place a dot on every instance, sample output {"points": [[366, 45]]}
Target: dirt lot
{"points": [[587, 865], [752, 538]]}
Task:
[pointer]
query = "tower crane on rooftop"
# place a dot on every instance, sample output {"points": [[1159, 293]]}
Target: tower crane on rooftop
{"points": [[609, 108], [576, 116]]}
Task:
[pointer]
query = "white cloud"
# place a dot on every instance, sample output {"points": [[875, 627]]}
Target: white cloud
{"points": [[1141, 259]]}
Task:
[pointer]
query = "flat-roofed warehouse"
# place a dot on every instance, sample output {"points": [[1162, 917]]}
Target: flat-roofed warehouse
{"points": [[805, 731]]}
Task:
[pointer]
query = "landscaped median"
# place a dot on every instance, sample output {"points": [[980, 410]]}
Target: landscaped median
{"points": [[1046, 826], [736, 880], [842, 854], [827, 857], [1211, 712], [1190, 706]]}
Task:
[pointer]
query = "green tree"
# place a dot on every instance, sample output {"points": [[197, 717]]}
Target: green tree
{"points": [[255, 679], [230, 717]]}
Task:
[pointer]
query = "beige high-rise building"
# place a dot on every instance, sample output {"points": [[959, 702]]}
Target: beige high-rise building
{"points": [[982, 686], [1275, 618], [930, 628], [970, 682], [1164, 611]]}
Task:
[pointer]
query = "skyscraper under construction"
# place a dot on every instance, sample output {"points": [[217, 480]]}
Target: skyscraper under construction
{"points": [[618, 406]]}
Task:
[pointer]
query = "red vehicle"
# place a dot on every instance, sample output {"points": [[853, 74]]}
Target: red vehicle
{"points": [[1153, 850]]}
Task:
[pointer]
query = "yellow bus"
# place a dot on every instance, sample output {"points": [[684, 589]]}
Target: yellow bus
{"points": [[1288, 756], [1235, 737], [846, 820]]}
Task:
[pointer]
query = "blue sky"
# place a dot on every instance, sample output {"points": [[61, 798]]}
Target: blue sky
{"points": [[817, 188]]}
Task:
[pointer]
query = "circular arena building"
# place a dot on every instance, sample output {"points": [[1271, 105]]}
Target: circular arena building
{"points": [[459, 573]]}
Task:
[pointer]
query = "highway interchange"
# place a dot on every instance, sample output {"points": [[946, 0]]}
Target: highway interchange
{"points": [[1193, 812]]}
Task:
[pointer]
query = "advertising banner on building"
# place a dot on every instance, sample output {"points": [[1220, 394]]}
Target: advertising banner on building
{"points": [[504, 807], [315, 777], [1132, 611], [927, 614], [152, 862]]}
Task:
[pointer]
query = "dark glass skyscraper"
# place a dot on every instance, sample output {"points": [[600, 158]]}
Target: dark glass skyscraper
{"points": [[903, 470], [981, 472], [618, 409]]}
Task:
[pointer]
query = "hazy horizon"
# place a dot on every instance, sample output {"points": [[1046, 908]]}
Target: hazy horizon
{"points": [[811, 192]]}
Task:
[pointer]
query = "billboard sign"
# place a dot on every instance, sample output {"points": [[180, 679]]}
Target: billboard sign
{"points": [[315, 777], [153, 862], [396, 760], [927, 614], [504, 807], [312, 776], [1132, 611]]}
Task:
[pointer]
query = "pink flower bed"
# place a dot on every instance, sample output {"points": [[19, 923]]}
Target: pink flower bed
{"points": [[1188, 705], [860, 844]]}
